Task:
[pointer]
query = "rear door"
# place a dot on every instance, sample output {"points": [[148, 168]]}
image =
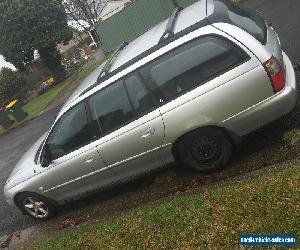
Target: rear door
{"points": [[131, 129]]}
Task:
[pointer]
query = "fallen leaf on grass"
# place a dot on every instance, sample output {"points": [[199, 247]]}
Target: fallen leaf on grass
{"points": [[6, 243], [185, 186], [72, 221]]}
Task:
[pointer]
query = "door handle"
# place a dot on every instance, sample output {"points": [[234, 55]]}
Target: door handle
{"points": [[90, 158], [148, 132], [88, 161], [145, 136]]}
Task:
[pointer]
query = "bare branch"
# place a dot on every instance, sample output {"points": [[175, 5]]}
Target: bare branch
{"points": [[86, 10]]}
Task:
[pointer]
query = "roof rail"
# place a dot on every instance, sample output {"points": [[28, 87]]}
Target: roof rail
{"points": [[170, 26], [106, 68], [108, 64]]}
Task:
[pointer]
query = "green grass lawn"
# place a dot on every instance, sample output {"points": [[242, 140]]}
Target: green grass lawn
{"points": [[62, 90], [208, 219], [39, 103]]}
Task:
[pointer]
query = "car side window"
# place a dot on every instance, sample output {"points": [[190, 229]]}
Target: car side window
{"points": [[140, 98], [192, 65], [70, 132], [111, 108]]}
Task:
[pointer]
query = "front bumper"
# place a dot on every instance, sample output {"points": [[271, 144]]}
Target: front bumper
{"points": [[8, 195]]}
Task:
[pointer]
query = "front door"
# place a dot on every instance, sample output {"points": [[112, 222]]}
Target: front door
{"points": [[76, 166]]}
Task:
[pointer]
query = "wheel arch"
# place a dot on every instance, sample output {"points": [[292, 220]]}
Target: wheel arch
{"points": [[233, 137]]}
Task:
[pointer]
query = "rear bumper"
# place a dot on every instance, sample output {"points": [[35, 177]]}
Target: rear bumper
{"points": [[269, 109]]}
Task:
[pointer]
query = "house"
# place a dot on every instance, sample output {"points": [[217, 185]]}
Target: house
{"points": [[113, 7], [79, 46]]}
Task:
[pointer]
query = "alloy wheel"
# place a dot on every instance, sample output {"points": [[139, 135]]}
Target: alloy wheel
{"points": [[35, 207]]}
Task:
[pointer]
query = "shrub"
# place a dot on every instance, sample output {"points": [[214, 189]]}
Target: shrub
{"points": [[11, 83]]}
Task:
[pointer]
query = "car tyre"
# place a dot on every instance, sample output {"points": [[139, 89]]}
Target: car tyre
{"points": [[36, 206], [205, 150]]}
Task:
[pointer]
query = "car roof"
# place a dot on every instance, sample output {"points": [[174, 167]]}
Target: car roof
{"points": [[186, 18], [195, 16]]}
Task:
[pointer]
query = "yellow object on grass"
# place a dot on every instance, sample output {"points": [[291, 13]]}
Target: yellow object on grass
{"points": [[49, 81], [11, 104]]}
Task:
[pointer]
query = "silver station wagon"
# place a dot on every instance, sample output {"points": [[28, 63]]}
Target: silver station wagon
{"points": [[187, 90]]}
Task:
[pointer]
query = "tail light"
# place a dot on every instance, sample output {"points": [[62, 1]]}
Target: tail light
{"points": [[275, 73]]}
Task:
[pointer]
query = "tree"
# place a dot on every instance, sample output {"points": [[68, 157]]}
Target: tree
{"points": [[85, 13], [29, 25], [11, 82]]}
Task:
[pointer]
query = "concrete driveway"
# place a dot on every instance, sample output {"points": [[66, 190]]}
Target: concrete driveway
{"points": [[285, 18]]}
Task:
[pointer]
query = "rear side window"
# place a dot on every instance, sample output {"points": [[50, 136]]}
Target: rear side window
{"points": [[111, 108], [192, 65], [138, 94], [248, 20]]}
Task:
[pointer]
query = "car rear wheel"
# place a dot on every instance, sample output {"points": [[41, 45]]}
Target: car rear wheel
{"points": [[35, 206], [205, 150]]}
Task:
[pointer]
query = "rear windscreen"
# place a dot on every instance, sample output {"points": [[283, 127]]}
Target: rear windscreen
{"points": [[249, 21]]}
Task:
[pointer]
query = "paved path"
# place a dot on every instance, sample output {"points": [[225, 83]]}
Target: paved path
{"points": [[285, 18]]}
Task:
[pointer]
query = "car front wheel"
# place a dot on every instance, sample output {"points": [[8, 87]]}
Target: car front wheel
{"points": [[35, 206]]}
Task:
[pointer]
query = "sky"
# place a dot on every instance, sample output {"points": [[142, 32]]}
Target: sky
{"points": [[3, 63]]}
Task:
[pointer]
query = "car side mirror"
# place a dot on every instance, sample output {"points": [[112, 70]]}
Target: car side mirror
{"points": [[46, 157]]}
